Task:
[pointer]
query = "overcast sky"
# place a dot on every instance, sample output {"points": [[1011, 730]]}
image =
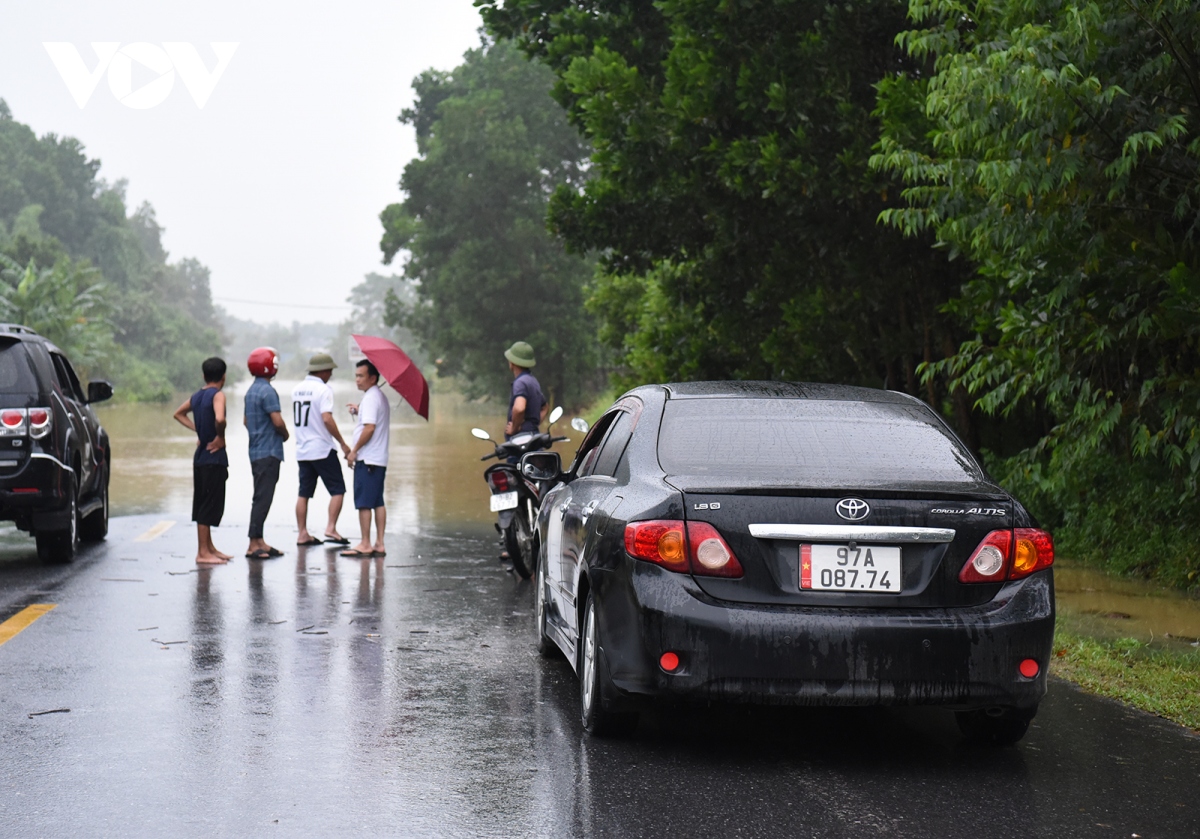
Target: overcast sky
{"points": [[276, 183]]}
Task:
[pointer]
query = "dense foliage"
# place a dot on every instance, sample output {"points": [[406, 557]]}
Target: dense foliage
{"points": [[1059, 151], [78, 253], [493, 146], [1063, 160], [731, 195]]}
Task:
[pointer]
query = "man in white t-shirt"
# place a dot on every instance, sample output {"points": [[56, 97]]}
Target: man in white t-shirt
{"points": [[368, 458], [312, 415]]}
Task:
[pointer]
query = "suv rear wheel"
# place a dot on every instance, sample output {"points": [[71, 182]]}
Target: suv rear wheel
{"points": [[94, 528], [59, 545]]}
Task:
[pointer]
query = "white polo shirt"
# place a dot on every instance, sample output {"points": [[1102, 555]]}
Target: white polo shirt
{"points": [[373, 410], [311, 398]]}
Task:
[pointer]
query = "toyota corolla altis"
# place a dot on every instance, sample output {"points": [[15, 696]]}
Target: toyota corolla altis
{"points": [[790, 543]]}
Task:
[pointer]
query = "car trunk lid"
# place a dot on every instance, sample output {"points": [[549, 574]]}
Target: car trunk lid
{"points": [[923, 536]]}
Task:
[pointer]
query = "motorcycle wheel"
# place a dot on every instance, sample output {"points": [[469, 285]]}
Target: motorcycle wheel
{"points": [[518, 539]]}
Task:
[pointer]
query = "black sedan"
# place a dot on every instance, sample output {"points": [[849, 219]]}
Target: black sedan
{"points": [[790, 543]]}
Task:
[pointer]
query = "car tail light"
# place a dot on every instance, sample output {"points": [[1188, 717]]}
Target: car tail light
{"points": [[1033, 552], [695, 547], [39, 422], [660, 542], [997, 558], [499, 481], [710, 554]]}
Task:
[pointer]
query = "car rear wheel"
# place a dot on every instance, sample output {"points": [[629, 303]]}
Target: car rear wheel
{"points": [[994, 727], [545, 647], [594, 688], [94, 528], [59, 545]]}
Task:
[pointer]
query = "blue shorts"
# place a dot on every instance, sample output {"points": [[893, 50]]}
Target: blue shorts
{"points": [[330, 472], [368, 486]]}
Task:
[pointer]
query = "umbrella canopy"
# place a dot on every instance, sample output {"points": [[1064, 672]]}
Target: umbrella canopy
{"points": [[398, 369]]}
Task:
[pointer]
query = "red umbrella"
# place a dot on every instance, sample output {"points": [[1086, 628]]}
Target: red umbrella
{"points": [[398, 369]]}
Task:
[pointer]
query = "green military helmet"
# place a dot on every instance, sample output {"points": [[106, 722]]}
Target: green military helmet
{"points": [[320, 362], [521, 354]]}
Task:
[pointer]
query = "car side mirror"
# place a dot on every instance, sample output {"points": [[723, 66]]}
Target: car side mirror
{"points": [[541, 466], [99, 391]]}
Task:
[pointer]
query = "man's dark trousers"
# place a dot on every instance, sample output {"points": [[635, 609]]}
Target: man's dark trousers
{"points": [[266, 475]]}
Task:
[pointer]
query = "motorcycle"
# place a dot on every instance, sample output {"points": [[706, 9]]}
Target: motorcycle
{"points": [[517, 490]]}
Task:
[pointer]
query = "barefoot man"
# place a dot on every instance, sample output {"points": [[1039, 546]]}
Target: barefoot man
{"points": [[210, 464], [368, 458]]}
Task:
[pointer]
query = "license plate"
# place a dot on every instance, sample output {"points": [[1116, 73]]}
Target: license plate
{"points": [[842, 568], [504, 501]]}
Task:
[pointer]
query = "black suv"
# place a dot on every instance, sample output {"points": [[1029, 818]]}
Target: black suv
{"points": [[54, 455]]}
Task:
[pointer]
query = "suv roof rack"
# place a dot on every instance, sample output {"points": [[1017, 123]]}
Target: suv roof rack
{"points": [[17, 328]]}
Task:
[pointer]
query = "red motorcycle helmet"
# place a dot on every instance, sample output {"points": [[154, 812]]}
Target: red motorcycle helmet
{"points": [[264, 362]]}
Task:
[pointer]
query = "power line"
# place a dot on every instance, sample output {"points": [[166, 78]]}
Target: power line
{"points": [[277, 304]]}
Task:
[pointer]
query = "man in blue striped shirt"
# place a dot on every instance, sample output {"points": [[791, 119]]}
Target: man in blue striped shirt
{"points": [[264, 422]]}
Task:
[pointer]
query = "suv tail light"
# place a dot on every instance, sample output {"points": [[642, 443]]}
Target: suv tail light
{"points": [[39, 422], [12, 421], [499, 481], [998, 559], [681, 547]]}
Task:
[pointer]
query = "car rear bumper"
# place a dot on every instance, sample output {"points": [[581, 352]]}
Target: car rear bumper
{"points": [[961, 658]]}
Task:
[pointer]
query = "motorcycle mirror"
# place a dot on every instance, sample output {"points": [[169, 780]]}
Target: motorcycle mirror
{"points": [[556, 415], [580, 425], [480, 433]]}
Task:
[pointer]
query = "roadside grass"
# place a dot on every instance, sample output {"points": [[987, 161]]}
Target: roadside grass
{"points": [[1162, 680]]}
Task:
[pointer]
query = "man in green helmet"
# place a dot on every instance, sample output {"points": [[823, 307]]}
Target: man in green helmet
{"points": [[527, 404]]}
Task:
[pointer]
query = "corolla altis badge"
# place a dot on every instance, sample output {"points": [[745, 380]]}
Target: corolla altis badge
{"points": [[853, 509]]}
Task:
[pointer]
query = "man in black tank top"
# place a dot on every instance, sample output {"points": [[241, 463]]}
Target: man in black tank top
{"points": [[210, 464]]}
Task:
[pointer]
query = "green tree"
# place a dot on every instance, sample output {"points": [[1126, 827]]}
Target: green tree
{"points": [[1060, 155], [493, 146], [66, 303], [54, 205], [731, 197]]}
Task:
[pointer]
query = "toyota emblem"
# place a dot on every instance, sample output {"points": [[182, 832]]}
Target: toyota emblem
{"points": [[853, 509]]}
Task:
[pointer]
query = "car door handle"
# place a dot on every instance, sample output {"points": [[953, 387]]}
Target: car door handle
{"points": [[587, 511]]}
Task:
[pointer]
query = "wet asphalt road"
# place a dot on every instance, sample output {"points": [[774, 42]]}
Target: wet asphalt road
{"points": [[318, 696]]}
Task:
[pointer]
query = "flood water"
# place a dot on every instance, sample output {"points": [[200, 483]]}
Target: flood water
{"points": [[435, 479], [434, 470]]}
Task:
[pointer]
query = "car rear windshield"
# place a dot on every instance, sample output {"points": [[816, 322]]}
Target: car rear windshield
{"points": [[16, 369], [811, 443]]}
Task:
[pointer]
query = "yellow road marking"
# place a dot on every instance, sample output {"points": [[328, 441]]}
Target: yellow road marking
{"points": [[21, 620], [156, 531]]}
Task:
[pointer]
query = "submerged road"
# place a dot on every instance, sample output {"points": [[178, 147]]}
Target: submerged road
{"points": [[317, 696]]}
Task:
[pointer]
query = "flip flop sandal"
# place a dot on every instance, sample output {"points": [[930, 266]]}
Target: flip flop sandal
{"points": [[259, 554], [353, 554], [336, 540], [311, 542], [274, 552]]}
